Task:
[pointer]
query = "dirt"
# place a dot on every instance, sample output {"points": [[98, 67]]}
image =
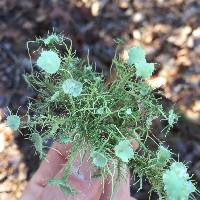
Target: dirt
{"points": [[169, 31]]}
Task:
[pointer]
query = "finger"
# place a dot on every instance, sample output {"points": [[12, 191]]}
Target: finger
{"points": [[135, 145], [123, 187], [80, 181], [55, 159], [86, 190], [113, 190], [122, 190]]}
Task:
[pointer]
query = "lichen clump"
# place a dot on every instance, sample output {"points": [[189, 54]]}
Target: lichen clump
{"points": [[13, 121], [177, 182], [77, 105]]}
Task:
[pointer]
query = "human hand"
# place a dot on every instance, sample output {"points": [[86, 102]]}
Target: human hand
{"points": [[88, 189]]}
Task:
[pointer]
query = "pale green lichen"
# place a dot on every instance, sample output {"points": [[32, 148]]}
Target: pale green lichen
{"points": [[124, 151], [52, 39], [129, 111], [177, 183], [72, 87], [144, 69], [49, 61], [163, 155], [136, 55], [13, 122], [99, 159], [78, 105], [137, 58], [172, 117]]}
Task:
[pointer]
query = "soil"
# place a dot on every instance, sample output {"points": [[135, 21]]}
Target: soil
{"points": [[169, 31]]}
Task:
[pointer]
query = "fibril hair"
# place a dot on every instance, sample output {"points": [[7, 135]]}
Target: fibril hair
{"points": [[76, 105]]}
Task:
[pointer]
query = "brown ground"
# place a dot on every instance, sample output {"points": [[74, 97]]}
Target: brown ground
{"points": [[169, 31]]}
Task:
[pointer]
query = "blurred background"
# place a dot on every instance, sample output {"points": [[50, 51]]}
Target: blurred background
{"points": [[168, 29]]}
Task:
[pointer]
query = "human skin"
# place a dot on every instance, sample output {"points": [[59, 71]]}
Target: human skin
{"points": [[88, 189]]}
